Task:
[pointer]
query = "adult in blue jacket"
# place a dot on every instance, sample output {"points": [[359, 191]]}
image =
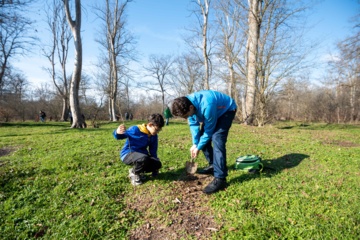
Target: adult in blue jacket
{"points": [[214, 112]]}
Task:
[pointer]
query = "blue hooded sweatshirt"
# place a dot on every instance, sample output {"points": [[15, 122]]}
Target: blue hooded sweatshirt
{"points": [[139, 140], [210, 105]]}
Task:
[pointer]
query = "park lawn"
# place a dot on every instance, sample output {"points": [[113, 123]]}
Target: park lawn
{"points": [[62, 183]]}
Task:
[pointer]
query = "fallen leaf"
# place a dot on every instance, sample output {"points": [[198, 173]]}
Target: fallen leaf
{"points": [[176, 200], [212, 229]]}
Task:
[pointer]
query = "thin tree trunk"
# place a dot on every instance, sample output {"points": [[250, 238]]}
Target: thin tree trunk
{"points": [[75, 25], [205, 14]]}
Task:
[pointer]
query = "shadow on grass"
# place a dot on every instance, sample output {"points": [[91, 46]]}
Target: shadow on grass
{"points": [[273, 166], [300, 126], [32, 124], [9, 180], [170, 174]]}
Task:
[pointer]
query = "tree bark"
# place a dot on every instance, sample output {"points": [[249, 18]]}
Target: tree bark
{"points": [[205, 15], [252, 49], [75, 25]]}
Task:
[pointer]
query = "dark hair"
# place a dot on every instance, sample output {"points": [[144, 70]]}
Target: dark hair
{"points": [[156, 119], [180, 106]]}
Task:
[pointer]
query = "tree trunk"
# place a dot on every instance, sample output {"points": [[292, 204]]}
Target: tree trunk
{"points": [[232, 81], [75, 25], [114, 87], [65, 110], [205, 15], [112, 108], [252, 48]]}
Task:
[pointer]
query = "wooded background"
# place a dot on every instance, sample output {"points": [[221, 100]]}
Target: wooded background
{"points": [[255, 51]]}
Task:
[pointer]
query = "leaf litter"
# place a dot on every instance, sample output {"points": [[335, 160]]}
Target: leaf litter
{"points": [[179, 211]]}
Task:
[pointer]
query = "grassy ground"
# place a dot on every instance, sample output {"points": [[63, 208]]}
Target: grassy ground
{"points": [[62, 183]]}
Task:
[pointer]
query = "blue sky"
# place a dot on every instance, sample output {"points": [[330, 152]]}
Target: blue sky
{"points": [[158, 25]]}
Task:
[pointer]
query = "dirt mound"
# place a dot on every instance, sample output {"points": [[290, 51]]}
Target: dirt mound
{"points": [[180, 214]]}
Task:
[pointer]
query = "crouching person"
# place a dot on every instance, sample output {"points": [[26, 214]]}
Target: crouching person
{"points": [[140, 149]]}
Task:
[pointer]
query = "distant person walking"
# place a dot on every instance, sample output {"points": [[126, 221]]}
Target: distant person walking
{"points": [[167, 115], [71, 118], [42, 116]]}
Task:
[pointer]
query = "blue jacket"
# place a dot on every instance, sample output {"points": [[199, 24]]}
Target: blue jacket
{"points": [[210, 105], [139, 140]]}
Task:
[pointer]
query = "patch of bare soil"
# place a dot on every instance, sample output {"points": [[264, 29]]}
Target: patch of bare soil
{"points": [[5, 151], [178, 212]]}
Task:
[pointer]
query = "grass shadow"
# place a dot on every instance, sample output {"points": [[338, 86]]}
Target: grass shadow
{"points": [[9, 180], [31, 124], [286, 127], [273, 166], [170, 174]]}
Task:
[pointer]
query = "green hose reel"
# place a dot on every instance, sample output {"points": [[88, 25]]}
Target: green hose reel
{"points": [[249, 163]]}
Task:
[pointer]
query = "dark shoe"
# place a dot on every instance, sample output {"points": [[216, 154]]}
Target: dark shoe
{"points": [[142, 176], [207, 170], [155, 173], [216, 185]]}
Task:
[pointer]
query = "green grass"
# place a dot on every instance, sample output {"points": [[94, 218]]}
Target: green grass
{"points": [[62, 183]]}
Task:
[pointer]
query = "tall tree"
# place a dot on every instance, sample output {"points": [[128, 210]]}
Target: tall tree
{"points": [[254, 23], [231, 44], [57, 52], [201, 41], [75, 25], [274, 50], [119, 45], [282, 50]]}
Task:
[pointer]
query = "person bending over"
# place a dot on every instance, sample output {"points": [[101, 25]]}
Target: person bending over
{"points": [[214, 112]]}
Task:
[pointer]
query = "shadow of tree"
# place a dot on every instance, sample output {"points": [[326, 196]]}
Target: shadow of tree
{"points": [[274, 166]]}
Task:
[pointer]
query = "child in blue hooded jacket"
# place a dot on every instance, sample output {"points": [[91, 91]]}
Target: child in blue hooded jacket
{"points": [[214, 111], [140, 149]]}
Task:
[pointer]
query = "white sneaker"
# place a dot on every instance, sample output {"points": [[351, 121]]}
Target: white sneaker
{"points": [[131, 173], [134, 178]]}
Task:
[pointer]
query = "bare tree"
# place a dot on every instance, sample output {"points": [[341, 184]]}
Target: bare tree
{"points": [[231, 46], [159, 68], [13, 102], [254, 23], [75, 25], [57, 52], [187, 75], [119, 45], [345, 69], [15, 35], [274, 51], [201, 40], [281, 50]]}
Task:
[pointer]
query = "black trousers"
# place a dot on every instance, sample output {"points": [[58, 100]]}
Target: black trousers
{"points": [[142, 162]]}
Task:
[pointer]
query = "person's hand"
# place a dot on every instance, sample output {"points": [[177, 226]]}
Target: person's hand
{"points": [[121, 129], [194, 151]]}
